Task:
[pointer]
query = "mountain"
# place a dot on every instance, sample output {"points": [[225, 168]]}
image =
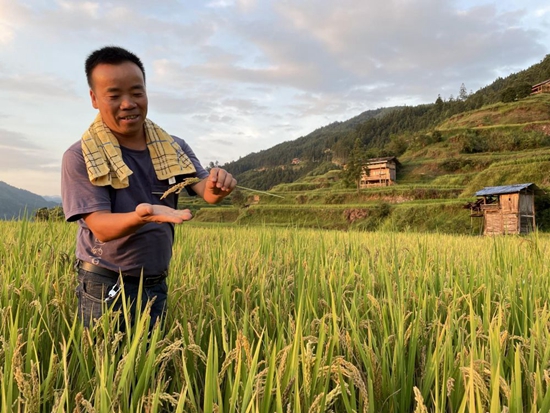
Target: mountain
{"points": [[380, 132], [53, 198], [15, 202], [309, 147]]}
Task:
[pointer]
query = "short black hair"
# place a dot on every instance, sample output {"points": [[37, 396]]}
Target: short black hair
{"points": [[111, 55]]}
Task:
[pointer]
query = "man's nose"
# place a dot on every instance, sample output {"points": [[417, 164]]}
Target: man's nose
{"points": [[127, 103]]}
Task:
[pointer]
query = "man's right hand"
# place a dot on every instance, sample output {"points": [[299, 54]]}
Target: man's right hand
{"points": [[108, 226], [162, 213]]}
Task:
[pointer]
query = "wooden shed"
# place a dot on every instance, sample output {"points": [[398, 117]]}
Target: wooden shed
{"points": [[542, 87], [508, 209], [379, 172]]}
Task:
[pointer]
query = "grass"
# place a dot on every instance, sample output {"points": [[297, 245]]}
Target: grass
{"points": [[277, 320], [510, 173]]}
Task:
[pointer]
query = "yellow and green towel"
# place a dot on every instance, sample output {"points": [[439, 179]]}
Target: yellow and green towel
{"points": [[104, 162]]}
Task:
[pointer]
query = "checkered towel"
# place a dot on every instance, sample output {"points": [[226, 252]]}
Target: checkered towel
{"points": [[104, 162]]}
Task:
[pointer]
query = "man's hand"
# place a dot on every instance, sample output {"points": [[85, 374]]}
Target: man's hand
{"points": [[162, 213], [217, 186], [108, 226]]}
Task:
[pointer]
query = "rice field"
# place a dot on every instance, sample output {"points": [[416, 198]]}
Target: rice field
{"points": [[286, 320]]}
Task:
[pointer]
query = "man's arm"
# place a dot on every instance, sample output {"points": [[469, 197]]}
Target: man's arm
{"points": [[216, 186], [107, 226]]}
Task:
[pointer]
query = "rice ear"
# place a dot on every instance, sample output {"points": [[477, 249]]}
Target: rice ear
{"points": [[179, 187]]}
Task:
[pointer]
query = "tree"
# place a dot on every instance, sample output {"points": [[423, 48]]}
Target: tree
{"points": [[354, 167], [397, 145], [508, 95], [211, 165], [523, 90], [238, 199], [462, 93], [49, 214]]}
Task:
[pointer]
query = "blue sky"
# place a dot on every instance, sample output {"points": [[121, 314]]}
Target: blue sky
{"points": [[234, 77]]}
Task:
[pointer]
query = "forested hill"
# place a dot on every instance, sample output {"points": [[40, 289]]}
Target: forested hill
{"points": [[309, 147], [380, 132], [15, 202]]}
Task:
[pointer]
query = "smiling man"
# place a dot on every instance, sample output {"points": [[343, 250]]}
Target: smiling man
{"points": [[118, 92], [112, 182]]}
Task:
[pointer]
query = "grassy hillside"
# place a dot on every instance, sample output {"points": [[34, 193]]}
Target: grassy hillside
{"points": [[497, 144]]}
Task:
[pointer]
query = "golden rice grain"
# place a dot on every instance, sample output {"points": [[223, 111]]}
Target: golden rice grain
{"points": [[179, 187]]}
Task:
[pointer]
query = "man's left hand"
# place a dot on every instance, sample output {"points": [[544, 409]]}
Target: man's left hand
{"points": [[217, 186]]}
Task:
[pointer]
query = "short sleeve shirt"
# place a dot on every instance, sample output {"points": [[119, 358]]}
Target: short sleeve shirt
{"points": [[146, 251]]}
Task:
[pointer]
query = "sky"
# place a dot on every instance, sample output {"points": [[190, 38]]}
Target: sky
{"points": [[233, 77]]}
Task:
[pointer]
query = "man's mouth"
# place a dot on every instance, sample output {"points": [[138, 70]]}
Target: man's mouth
{"points": [[131, 117]]}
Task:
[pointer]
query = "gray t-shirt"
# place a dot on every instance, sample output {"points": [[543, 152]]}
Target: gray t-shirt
{"points": [[150, 247]]}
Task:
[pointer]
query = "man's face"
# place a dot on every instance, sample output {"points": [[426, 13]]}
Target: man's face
{"points": [[118, 92]]}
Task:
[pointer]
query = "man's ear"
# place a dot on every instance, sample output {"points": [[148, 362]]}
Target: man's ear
{"points": [[94, 99]]}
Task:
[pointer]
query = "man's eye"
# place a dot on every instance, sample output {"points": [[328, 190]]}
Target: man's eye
{"points": [[138, 95], [113, 97]]}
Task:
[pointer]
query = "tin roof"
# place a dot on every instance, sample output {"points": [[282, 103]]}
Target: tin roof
{"points": [[506, 189]]}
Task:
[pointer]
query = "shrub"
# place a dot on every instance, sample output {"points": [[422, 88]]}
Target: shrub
{"points": [[332, 199]]}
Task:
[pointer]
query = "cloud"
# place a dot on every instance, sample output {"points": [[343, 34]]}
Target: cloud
{"points": [[6, 33], [38, 84], [184, 103], [247, 106], [246, 5], [224, 142], [219, 4], [12, 18], [15, 140], [110, 23], [214, 118], [541, 12], [88, 8], [19, 153], [342, 46]]}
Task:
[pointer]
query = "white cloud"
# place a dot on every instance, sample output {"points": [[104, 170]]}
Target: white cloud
{"points": [[6, 33], [542, 11], [12, 19], [246, 5], [89, 8], [219, 4]]}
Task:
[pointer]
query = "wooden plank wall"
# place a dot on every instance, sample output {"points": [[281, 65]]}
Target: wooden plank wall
{"points": [[509, 203], [493, 223]]}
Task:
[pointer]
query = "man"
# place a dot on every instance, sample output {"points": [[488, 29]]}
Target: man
{"points": [[112, 183]]}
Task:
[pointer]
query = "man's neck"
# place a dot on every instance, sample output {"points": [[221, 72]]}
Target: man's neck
{"points": [[137, 143]]}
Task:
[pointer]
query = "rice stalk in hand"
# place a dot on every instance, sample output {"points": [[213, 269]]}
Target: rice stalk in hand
{"points": [[179, 187]]}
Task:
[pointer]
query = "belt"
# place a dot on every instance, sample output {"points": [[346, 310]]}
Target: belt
{"points": [[148, 281]]}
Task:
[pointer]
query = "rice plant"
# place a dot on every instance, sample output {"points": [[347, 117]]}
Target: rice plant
{"points": [[285, 320]]}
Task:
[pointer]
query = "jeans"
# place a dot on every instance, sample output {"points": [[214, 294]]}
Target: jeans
{"points": [[93, 289]]}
